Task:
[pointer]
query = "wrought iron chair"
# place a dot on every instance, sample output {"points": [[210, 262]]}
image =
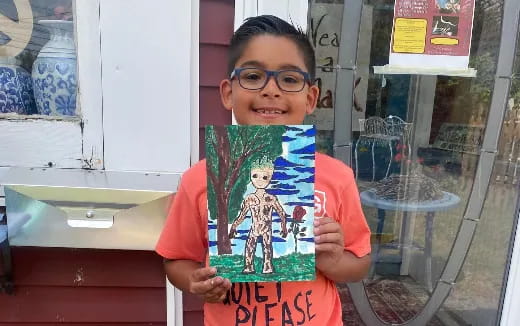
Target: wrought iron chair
{"points": [[399, 129], [381, 131]]}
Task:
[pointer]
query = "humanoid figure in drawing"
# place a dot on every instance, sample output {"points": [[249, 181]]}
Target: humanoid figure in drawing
{"points": [[261, 205]]}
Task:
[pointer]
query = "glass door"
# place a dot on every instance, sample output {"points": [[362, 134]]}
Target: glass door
{"points": [[436, 165]]}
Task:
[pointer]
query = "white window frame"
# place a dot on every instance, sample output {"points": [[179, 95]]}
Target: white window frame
{"points": [[81, 142], [64, 142]]}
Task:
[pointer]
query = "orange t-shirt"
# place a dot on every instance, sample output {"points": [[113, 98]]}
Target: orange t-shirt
{"points": [[185, 236]]}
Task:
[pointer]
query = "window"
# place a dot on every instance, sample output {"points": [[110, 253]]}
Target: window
{"points": [[48, 50], [38, 62]]}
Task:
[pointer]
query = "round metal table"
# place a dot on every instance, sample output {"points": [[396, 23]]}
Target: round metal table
{"points": [[371, 199]]}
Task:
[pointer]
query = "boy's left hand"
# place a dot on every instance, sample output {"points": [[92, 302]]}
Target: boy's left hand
{"points": [[329, 243]]}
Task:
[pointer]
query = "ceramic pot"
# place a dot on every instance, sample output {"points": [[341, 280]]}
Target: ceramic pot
{"points": [[16, 90], [54, 71]]}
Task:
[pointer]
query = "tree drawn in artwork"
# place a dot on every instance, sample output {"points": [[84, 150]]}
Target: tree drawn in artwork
{"points": [[230, 153]]}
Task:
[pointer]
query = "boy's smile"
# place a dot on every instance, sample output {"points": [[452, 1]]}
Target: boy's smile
{"points": [[269, 105]]}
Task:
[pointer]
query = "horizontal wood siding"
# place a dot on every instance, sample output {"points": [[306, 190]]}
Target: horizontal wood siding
{"points": [[216, 29], [83, 324], [63, 285]]}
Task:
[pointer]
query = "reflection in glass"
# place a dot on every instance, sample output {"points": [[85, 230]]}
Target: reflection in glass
{"points": [[324, 29], [476, 297]]}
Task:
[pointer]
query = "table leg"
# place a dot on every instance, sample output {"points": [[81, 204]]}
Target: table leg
{"points": [[428, 239], [377, 245], [373, 163], [380, 223], [405, 242]]}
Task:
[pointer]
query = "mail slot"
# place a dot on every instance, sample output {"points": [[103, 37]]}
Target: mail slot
{"points": [[85, 208]]}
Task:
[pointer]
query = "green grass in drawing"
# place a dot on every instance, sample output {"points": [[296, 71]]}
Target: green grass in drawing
{"points": [[293, 267]]}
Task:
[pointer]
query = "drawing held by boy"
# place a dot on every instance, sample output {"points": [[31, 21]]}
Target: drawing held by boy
{"points": [[271, 69]]}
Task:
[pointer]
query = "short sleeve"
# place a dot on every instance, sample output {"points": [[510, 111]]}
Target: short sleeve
{"points": [[183, 235], [355, 228]]}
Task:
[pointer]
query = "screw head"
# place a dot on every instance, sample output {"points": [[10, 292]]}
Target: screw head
{"points": [[90, 214]]}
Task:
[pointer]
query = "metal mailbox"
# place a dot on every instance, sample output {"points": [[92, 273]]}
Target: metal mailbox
{"points": [[86, 208]]}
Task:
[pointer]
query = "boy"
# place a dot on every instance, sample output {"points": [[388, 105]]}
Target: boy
{"points": [[271, 68]]}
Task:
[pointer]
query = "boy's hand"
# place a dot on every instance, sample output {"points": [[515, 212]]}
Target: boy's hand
{"points": [[211, 289], [329, 243]]}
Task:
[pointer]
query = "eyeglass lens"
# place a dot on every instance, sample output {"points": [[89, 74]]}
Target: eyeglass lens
{"points": [[287, 80]]}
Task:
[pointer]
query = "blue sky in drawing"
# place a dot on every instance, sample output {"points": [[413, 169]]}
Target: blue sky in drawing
{"points": [[293, 184]]}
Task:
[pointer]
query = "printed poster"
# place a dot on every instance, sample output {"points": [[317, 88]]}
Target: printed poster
{"points": [[261, 202], [432, 33]]}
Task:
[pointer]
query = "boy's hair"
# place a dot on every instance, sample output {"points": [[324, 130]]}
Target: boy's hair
{"points": [[270, 25]]}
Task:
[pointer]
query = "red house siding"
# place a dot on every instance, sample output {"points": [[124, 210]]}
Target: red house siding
{"points": [[216, 29], [86, 286], [80, 286]]}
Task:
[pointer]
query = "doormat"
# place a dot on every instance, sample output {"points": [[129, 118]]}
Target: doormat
{"points": [[391, 301]]}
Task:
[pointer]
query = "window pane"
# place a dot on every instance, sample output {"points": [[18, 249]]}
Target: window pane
{"points": [[37, 58], [324, 31]]}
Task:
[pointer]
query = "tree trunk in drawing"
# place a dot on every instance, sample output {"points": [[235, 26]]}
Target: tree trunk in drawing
{"points": [[223, 154], [224, 244]]}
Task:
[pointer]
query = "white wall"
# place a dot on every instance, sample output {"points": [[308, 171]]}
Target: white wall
{"points": [[293, 11], [145, 50]]}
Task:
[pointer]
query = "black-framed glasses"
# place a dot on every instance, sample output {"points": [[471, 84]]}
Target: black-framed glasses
{"points": [[257, 78]]}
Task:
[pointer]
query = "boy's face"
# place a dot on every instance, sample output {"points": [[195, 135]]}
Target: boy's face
{"points": [[270, 105]]}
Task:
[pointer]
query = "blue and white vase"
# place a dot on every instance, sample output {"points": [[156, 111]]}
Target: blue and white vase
{"points": [[54, 71], [16, 90]]}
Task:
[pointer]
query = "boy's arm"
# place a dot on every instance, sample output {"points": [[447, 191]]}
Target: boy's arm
{"points": [[190, 276], [336, 263], [343, 242]]}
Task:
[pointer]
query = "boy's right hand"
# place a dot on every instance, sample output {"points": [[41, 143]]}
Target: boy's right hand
{"points": [[211, 289]]}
